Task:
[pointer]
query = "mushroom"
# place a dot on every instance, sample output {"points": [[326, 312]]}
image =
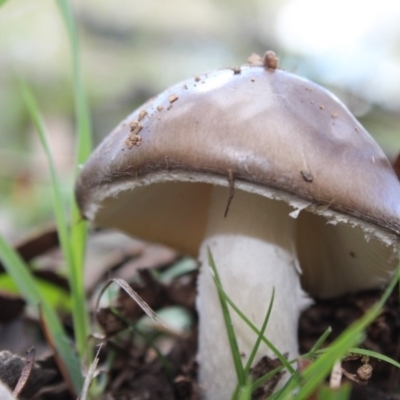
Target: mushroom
{"points": [[270, 172]]}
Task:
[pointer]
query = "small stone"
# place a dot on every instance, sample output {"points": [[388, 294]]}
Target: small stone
{"points": [[271, 60], [173, 98]]}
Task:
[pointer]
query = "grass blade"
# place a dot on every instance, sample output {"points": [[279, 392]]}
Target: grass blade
{"points": [[319, 343], [319, 370], [374, 354], [78, 232], [228, 324], [84, 143], [260, 336], [78, 299], [342, 393], [277, 353], [17, 269]]}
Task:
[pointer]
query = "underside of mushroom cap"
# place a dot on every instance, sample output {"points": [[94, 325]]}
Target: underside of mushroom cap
{"points": [[259, 130]]}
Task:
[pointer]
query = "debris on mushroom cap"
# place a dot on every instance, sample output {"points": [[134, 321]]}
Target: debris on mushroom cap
{"points": [[270, 60], [173, 98], [255, 60], [134, 139], [307, 175], [135, 126], [260, 125], [142, 114]]}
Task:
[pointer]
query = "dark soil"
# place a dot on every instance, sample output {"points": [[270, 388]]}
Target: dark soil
{"points": [[137, 371]]}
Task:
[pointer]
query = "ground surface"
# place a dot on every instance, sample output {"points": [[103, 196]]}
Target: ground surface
{"points": [[137, 371]]}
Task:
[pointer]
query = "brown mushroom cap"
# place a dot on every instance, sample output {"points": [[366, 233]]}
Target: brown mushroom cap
{"points": [[270, 132]]}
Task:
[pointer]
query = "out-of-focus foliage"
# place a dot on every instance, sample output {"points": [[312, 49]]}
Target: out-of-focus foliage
{"points": [[132, 49]]}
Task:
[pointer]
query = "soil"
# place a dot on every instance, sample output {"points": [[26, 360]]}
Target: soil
{"points": [[137, 371]]}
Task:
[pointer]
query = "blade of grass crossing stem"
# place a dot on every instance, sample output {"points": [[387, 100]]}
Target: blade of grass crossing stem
{"points": [[277, 353], [257, 343], [245, 391], [319, 370], [276, 395], [228, 324], [78, 298], [17, 269], [261, 334]]}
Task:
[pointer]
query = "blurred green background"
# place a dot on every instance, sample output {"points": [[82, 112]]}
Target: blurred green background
{"points": [[132, 49]]}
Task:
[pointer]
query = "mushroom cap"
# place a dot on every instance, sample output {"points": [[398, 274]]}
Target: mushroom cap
{"points": [[268, 132]]}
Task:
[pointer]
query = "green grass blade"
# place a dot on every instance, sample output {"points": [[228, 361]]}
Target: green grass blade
{"points": [[62, 225], [56, 297], [84, 142], [228, 324], [17, 269], [261, 334], [319, 370], [245, 391], [256, 346], [78, 299], [374, 354], [78, 233], [319, 343], [327, 393], [277, 353]]}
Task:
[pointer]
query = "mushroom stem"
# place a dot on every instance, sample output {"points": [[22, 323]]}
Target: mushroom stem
{"points": [[254, 252]]}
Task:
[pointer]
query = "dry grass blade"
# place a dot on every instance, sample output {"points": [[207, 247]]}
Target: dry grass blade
{"points": [[336, 375], [50, 340], [26, 372], [134, 296], [90, 375]]}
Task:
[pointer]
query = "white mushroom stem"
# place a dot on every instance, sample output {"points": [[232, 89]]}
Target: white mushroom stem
{"points": [[254, 252]]}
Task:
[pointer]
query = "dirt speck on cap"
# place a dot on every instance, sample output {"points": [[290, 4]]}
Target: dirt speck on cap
{"points": [[321, 107], [255, 60], [142, 114], [197, 78], [135, 127], [270, 60], [334, 115], [307, 175], [185, 87], [160, 108], [236, 70], [173, 98], [134, 139]]}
